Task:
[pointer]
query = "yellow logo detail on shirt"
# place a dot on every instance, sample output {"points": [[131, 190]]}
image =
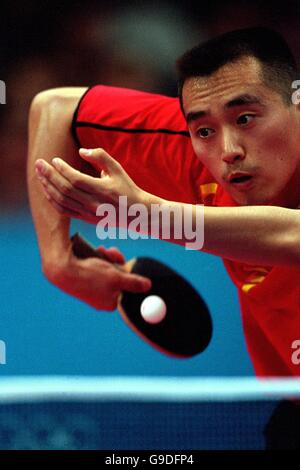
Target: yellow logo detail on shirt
{"points": [[254, 278], [248, 286], [207, 189]]}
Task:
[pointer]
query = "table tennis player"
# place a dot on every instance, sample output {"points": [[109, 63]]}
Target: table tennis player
{"points": [[230, 142]]}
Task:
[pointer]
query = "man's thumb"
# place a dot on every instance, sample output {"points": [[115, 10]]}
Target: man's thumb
{"points": [[99, 159], [135, 283]]}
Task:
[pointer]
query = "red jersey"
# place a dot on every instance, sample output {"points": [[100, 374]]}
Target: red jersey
{"points": [[147, 134]]}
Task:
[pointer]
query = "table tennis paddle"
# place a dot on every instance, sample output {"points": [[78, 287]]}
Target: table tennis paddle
{"points": [[186, 329]]}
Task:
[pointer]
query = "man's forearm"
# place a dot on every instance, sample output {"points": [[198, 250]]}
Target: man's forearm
{"points": [[267, 235], [49, 135]]}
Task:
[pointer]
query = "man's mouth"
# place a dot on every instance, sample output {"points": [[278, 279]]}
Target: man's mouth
{"points": [[240, 180]]}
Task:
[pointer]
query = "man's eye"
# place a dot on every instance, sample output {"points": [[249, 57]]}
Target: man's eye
{"points": [[205, 132], [245, 119]]}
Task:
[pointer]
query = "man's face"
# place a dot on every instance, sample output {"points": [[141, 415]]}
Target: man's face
{"points": [[245, 134]]}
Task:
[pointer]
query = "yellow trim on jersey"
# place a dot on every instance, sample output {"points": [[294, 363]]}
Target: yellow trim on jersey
{"points": [[253, 283], [209, 188], [247, 287]]}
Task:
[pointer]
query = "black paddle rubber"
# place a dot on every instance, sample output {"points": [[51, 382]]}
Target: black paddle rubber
{"points": [[186, 329]]}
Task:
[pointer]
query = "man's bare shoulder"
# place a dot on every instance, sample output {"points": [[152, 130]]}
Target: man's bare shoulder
{"points": [[68, 97]]}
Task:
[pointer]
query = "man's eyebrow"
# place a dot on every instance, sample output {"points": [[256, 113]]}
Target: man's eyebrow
{"points": [[242, 100], [194, 115]]}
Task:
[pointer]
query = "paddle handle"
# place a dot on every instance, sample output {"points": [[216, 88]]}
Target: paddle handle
{"points": [[82, 249]]}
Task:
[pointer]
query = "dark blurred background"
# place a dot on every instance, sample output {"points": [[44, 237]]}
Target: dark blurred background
{"points": [[133, 44]]}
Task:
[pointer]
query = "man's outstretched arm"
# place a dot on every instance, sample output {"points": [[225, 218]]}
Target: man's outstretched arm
{"points": [[266, 235], [94, 281]]}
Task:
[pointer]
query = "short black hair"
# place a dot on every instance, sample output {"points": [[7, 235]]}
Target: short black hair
{"points": [[279, 67]]}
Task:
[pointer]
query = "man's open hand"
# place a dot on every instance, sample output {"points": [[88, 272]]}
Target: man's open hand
{"points": [[78, 195]]}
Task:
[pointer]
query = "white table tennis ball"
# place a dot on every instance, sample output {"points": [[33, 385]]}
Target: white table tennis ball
{"points": [[153, 309]]}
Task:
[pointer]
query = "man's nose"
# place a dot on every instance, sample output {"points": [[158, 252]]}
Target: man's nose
{"points": [[232, 150]]}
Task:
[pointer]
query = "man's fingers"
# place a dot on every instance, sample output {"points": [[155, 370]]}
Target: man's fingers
{"points": [[60, 198], [77, 179], [61, 209], [59, 177], [134, 283], [100, 160], [67, 212], [113, 254], [60, 181]]}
